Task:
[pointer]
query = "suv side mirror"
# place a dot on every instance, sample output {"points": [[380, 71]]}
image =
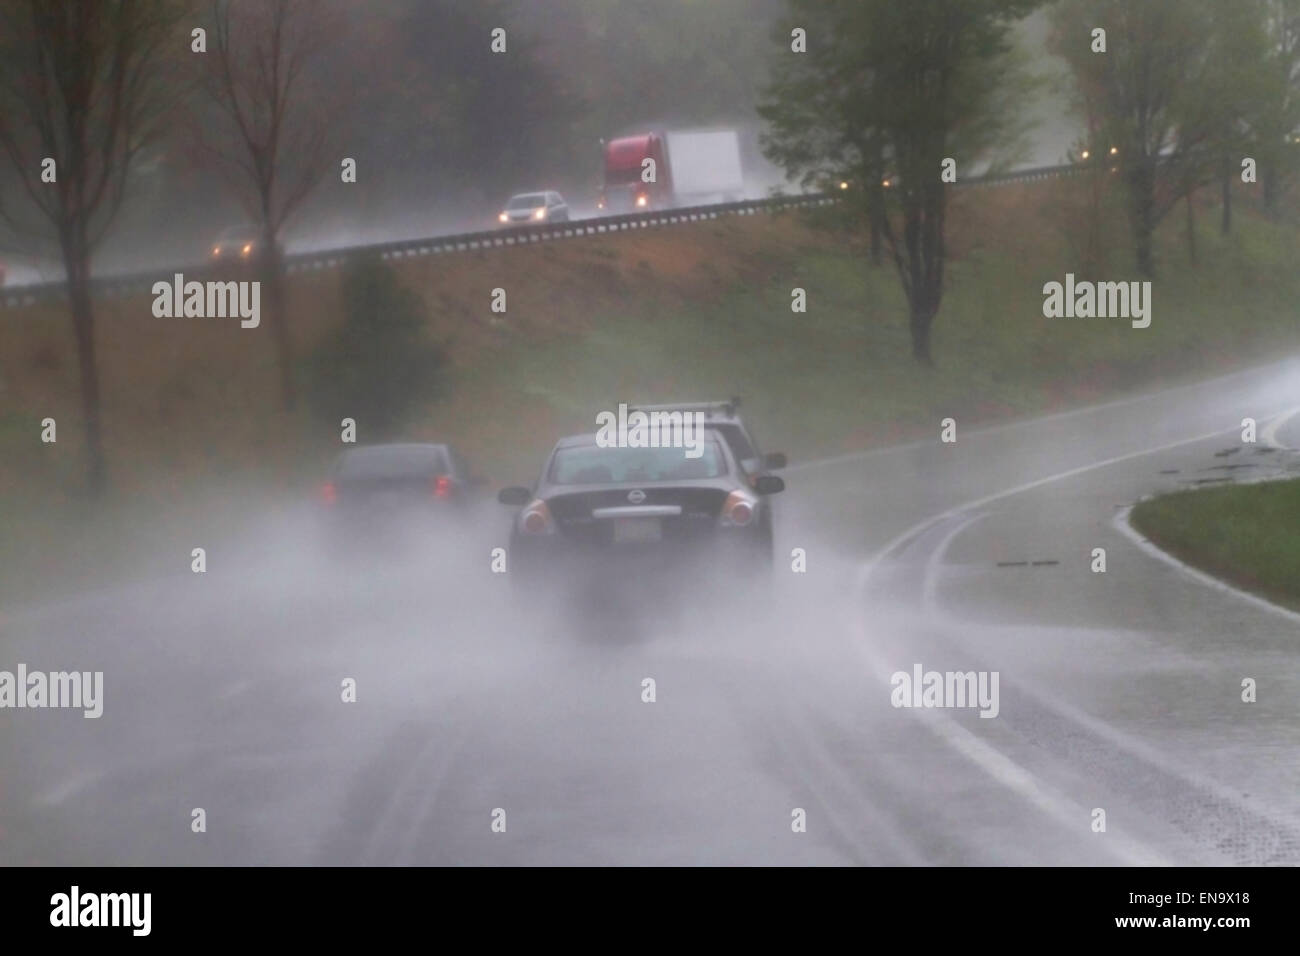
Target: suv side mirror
{"points": [[769, 484], [514, 495], [775, 460]]}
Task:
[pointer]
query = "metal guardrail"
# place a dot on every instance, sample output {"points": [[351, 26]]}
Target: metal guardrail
{"points": [[504, 238]]}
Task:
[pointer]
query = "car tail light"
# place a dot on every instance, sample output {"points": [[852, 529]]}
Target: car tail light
{"points": [[738, 509], [329, 493], [442, 487], [536, 519]]}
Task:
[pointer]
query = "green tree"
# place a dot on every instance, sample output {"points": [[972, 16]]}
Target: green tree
{"points": [[1238, 49], [899, 87], [1275, 121], [379, 366], [1149, 95]]}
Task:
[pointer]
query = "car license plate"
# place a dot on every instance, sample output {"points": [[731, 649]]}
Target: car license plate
{"points": [[637, 530]]}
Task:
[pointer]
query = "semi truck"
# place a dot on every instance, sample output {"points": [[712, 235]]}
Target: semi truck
{"points": [[667, 169]]}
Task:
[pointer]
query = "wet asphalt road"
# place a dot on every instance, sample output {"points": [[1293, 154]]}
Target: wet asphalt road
{"points": [[1118, 691]]}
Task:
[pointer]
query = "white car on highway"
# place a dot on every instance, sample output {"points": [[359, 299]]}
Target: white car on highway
{"points": [[534, 207]]}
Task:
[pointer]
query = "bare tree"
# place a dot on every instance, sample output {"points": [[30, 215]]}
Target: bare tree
{"points": [[274, 127], [82, 93]]}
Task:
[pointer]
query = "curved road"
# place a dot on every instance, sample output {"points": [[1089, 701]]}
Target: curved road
{"points": [[1118, 691]]}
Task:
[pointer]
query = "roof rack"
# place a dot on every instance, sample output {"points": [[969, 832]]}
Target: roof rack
{"points": [[727, 408]]}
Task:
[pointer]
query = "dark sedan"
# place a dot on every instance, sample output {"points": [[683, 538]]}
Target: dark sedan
{"points": [[618, 513], [391, 488]]}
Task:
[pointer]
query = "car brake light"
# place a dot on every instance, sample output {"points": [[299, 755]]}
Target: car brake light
{"points": [[442, 487], [329, 493], [536, 519], [738, 509]]}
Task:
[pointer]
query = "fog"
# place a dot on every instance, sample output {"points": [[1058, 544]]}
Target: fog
{"points": [[463, 695], [964, 646]]}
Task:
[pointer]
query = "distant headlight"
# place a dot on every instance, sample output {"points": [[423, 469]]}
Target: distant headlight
{"points": [[248, 247], [503, 218], [641, 200], [540, 214], [216, 250]]}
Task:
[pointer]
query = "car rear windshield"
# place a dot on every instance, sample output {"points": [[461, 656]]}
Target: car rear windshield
{"points": [[406, 461], [527, 201], [593, 465]]}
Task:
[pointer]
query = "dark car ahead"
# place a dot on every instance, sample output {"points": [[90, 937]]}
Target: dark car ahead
{"points": [[622, 512], [387, 487]]}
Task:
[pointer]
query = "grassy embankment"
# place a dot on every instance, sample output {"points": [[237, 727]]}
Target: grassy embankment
{"points": [[195, 434], [1245, 534]]}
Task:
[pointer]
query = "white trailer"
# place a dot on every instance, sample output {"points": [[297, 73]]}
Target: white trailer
{"points": [[705, 166]]}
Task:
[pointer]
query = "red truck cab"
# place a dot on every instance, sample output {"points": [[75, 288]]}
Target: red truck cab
{"points": [[625, 189]]}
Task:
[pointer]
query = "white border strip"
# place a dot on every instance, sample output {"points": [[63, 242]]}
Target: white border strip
{"points": [[1125, 527], [1269, 435]]}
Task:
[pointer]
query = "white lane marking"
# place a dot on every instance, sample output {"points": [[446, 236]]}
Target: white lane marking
{"points": [[390, 825], [992, 761], [70, 787], [1267, 368], [869, 567], [1100, 728], [432, 790], [812, 755], [934, 566], [995, 763], [1269, 435], [1125, 527], [1009, 774]]}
